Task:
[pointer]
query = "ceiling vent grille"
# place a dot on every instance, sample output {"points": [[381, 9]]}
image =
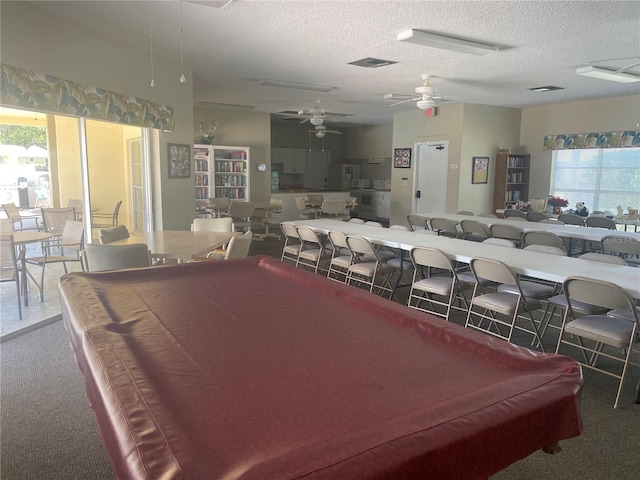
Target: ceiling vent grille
{"points": [[371, 62]]}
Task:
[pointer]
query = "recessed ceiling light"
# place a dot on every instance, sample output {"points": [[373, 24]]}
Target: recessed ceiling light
{"points": [[446, 42], [605, 74], [548, 88], [296, 85]]}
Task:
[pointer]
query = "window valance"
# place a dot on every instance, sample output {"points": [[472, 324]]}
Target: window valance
{"points": [[22, 88], [627, 138]]}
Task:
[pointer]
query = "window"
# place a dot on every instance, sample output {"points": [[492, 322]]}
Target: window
{"points": [[601, 178]]}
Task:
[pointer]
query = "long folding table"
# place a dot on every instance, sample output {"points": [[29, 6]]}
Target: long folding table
{"points": [[534, 264], [254, 369], [590, 234]]}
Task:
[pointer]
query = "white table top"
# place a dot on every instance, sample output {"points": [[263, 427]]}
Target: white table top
{"points": [[567, 231], [182, 244], [539, 265]]}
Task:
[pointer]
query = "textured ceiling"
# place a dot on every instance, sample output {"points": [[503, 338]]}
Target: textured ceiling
{"points": [[229, 49]]}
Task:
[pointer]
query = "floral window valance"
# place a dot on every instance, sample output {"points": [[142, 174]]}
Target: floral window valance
{"points": [[25, 89], [627, 138]]}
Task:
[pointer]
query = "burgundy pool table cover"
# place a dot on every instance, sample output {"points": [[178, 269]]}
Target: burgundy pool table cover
{"points": [[253, 369]]}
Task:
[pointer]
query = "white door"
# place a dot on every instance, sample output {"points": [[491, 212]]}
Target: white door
{"points": [[430, 178]]}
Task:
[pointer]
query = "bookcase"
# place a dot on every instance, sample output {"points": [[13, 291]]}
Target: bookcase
{"points": [[220, 171], [511, 183]]}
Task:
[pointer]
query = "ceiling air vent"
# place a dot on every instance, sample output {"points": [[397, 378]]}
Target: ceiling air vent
{"points": [[370, 62]]}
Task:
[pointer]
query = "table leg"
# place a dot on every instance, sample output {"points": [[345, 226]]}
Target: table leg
{"points": [[22, 253]]}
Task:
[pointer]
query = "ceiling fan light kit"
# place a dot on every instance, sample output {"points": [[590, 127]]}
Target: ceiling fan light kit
{"points": [[316, 121], [605, 74], [446, 42], [425, 104]]}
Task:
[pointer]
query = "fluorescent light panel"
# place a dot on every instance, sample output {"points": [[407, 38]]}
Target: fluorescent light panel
{"points": [[436, 40], [604, 74], [296, 85]]}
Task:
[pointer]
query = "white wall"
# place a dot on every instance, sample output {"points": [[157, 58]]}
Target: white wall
{"points": [[36, 40], [485, 130], [243, 129], [605, 115]]}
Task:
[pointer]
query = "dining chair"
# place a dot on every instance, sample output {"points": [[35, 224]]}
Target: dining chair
{"points": [[558, 303], [514, 212], [417, 223], [590, 335], [445, 228], [507, 232], [71, 244], [9, 270], [14, 214], [100, 258], [291, 247], [272, 217], [601, 222], [340, 257], [624, 247], [217, 206], [503, 310], [336, 209], [304, 212], [241, 213], [465, 212], [403, 265], [487, 215], [313, 253], [77, 204], [367, 268], [224, 224], [105, 220], [474, 230], [571, 219], [435, 284], [466, 276], [238, 247], [113, 234], [54, 220], [356, 220], [536, 216], [542, 237], [6, 226]]}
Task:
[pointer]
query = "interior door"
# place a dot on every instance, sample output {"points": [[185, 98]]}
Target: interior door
{"points": [[430, 178]]}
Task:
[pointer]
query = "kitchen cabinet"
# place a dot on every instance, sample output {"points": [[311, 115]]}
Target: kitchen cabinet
{"points": [[511, 183], [383, 204], [292, 159]]}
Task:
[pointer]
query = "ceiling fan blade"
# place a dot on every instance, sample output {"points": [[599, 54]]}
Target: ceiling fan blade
{"points": [[305, 120], [333, 131], [403, 101]]}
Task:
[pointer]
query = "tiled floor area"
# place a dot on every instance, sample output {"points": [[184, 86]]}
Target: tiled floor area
{"points": [[39, 313]]}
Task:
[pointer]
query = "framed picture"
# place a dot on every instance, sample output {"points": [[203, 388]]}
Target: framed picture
{"points": [[402, 158], [179, 160], [480, 171]]}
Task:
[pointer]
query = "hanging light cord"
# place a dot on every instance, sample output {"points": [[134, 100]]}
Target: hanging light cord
{"points": [[182, 77], [153, 83]]}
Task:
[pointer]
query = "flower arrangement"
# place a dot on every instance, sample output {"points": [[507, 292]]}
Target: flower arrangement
{"points": [[557, 202], [207, 131]]}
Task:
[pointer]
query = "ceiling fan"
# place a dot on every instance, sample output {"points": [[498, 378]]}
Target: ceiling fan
{"points": [[425, 96], [321, 130], [316, 115]]}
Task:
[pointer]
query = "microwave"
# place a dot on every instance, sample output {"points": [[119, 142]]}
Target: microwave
{"points": [[361, 183]]}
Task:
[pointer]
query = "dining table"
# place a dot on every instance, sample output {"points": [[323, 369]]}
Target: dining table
{"points": [[553, 268], [21, 239], [589, 234], [180, 245]]}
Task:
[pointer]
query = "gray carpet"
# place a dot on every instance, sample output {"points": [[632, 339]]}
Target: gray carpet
{"points": [[48, 430]]}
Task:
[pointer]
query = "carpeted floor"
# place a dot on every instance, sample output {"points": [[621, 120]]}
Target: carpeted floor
{"points": [[48, 431]]}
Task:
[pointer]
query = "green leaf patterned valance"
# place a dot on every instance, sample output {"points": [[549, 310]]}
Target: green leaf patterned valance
{"points": [[628, 138], [25, 89]]}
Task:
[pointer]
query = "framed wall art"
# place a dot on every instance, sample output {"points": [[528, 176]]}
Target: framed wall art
{"points": [[402, 158], [480, 171], [179, 160]]}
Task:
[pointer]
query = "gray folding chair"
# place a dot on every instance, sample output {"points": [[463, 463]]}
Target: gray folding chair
{"points": [[100, 258]]}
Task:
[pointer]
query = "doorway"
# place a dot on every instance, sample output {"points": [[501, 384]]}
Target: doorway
{"points": [[430, 178]]}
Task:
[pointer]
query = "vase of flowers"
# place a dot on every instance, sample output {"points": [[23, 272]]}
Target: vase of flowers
{"points": [[556, 204], [207, 131]]}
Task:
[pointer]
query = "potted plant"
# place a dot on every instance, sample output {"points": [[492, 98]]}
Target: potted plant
{"points": [[556, 204]]}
